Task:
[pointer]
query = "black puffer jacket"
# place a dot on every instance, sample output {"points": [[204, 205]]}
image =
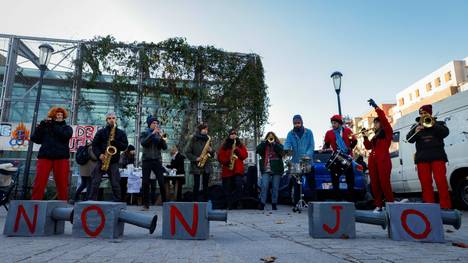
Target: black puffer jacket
{"points": [[54, 138], [429, 143], [152, 146], [100, 142]]}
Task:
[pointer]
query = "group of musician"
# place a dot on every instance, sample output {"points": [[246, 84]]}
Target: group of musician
{"points": [[109, 151]]}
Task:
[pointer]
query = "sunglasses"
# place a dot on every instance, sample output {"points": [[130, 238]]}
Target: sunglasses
{"points": [[111, 118]]}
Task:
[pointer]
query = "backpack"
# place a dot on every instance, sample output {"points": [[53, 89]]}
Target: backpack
{"points": [[82, 155]]}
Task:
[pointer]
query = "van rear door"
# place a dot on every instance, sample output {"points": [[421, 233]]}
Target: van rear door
{"points": [[396, 175]]}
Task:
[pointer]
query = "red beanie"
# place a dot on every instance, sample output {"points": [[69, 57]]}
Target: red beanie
{"points": [[427, 108], [337, 118]]}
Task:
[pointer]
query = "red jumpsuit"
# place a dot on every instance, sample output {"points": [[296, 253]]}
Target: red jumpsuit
{"points": [[380, 165]]}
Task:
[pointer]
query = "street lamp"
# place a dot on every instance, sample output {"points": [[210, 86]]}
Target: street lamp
{"points": [[45, 52], [336, 77]]}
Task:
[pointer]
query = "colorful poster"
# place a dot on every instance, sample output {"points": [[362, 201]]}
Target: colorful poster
{"points": [[16, 136]]}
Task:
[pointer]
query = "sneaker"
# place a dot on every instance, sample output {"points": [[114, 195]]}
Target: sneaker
{"points": [[273, 206], [377, 210], [403, 201]]}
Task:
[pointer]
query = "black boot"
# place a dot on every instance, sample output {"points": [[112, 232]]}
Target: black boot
{"points": [[273, 206], [261, 206]]}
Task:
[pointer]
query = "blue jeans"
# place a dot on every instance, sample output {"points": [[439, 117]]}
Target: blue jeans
{"points": [[266, 178]]}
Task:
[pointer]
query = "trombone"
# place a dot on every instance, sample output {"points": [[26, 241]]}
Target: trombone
{"points": [[426, 120]]}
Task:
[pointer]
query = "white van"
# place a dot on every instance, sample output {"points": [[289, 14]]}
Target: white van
{"points": [[454, 111]]}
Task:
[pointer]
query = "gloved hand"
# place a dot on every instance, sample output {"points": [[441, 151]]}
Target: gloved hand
{"points": [[372, 103]]}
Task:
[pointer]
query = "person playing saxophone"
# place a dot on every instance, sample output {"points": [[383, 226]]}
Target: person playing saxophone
{"points": [[107, 145], [231, 156], [199, 152]]}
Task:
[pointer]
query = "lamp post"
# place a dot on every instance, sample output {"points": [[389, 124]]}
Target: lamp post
{"points": [[45, 52], [336, 77]]}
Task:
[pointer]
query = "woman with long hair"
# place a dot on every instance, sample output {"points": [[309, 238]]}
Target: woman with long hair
{"points": [[271, 166]]}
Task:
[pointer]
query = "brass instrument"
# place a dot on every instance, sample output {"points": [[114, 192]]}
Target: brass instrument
{"points": [[204, 154], [164, 136], [110, 150], [233, 156], [427, 121], [364, 132], [271, 139]]}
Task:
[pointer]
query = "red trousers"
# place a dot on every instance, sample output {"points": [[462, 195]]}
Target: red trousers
{"points": [[61, 170], [425, 171], [379, 173]]}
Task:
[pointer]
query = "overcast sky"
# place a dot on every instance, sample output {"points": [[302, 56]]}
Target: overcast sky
{"points": [[381, 47]]}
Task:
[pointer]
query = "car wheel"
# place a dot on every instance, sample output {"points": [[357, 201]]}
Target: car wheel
{"points": [[461, 193]]}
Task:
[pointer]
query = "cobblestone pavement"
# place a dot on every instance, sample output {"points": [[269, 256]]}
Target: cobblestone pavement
{"points": [[248, 236]]}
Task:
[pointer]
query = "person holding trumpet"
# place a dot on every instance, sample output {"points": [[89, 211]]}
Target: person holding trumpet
{"points": [[153, 142], [271, 166], [430, 157], [380, 165]]}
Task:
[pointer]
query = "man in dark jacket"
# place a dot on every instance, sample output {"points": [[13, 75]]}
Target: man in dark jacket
{"points": [[153, 142], [177, 164], [430, 157], [193, 151], [99, 145], [54, 135]]}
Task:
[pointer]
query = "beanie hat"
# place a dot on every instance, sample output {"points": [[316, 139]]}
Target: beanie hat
{"points": [[297, 117], [427, 108], [337, 118], [150, 120]]}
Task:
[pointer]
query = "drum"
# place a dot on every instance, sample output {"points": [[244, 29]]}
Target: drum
{"points": [[339, 162], [295, 168], [306, 168]]}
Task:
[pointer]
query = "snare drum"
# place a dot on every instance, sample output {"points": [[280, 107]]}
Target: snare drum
{"points": [[339, 162], [295, 168]]}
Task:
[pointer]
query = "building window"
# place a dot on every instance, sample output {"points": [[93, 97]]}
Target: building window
{"points": [[448, 76], [428, 86], [417, 93], [401, 101], [410, 96], [437, 82]]}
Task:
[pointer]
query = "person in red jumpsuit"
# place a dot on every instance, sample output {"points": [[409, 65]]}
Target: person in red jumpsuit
{"points": [[232, 178], [380, 165], [430, 157]]}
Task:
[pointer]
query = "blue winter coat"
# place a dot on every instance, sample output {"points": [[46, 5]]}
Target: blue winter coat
{"points": [[300, 146]]}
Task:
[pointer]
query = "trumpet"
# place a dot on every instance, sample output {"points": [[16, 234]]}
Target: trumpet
{"points": [[164, 136], [271, 139], [364, 132]]}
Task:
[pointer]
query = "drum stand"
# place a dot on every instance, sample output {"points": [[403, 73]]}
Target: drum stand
{"points": [[301, 204]]}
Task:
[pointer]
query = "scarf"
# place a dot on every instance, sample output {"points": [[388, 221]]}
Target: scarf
{"points": [[269, 156], [339, 141]]}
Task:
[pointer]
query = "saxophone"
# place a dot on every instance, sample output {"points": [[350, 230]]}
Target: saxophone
{"points": [[204, 154], [233, 156], [110, 150]]}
